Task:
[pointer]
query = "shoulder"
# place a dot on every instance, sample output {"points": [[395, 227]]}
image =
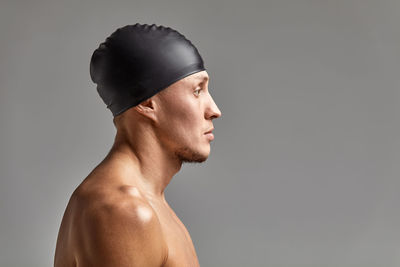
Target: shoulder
{"points": [[119, 228], [124, 200], [118, 205]]}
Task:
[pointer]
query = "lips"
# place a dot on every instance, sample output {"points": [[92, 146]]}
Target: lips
{"points": [[210, 131], [209, 134]]}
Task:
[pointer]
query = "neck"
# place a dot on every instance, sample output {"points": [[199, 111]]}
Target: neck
{"points": [[142, 154]]}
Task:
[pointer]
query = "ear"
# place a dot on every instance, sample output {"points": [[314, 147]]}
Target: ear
{"points": [[147, 108]]}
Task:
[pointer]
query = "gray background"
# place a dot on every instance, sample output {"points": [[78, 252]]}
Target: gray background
{"points": [[304, 169]]}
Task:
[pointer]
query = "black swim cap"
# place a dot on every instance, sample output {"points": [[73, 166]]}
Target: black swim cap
{"points": [[137, 61]]}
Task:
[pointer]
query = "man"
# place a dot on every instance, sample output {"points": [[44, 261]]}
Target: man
{"points": [[154, 82]]}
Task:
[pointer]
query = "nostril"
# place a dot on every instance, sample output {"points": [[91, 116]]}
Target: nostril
{"points": [[215, 116]]}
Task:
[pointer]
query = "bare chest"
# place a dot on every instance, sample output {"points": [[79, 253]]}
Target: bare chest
{"points": [[181, 251]]}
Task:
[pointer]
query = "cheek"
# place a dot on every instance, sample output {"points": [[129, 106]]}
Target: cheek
{"points": [[178, 120], [186, 124], [181, 120]]}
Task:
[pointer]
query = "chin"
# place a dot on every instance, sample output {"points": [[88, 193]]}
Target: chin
{"points": [[187, 154]]}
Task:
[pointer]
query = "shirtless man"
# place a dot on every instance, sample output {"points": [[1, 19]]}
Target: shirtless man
{"points": [[118, 216]]}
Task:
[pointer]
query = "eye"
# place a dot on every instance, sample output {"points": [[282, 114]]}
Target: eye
{"points": [[197, 91]]}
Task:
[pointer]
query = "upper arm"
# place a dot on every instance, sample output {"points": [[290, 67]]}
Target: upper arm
{"points": [[123, 235]]}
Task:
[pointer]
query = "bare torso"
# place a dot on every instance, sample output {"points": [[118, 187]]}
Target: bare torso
{"points": [[70, 249]]}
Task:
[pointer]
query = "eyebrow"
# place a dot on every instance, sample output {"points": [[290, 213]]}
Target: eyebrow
{"points": [[203, 78]]}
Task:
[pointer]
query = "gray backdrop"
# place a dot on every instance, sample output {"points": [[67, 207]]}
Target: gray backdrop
{"points": [[304, 169]]}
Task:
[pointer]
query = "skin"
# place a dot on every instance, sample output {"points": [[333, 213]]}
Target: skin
{"points": [[118, 215]]}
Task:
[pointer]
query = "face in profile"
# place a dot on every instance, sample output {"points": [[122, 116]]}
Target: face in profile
{"points": [[186, 110]]}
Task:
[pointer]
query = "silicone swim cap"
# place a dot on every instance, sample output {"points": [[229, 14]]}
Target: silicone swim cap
{"points": [[137, 61]]}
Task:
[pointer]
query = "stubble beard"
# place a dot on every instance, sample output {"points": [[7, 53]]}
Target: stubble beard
{"points": [[185, 154]]}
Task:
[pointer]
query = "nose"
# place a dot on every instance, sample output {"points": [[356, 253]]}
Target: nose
{"points": [[212, 111]]}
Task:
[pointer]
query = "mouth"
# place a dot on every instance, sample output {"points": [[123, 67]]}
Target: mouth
{"points": [[209, 134], [210, 131]]}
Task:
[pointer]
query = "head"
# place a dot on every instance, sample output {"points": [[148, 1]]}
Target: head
{"points": [[180, 116], [153, 75], [185, 114]]}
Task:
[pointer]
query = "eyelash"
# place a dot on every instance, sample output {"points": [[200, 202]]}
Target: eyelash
{"points": [[200, 89]]}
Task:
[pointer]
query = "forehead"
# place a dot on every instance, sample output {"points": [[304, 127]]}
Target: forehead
{"points": [[188, 81], [201, 76]]}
